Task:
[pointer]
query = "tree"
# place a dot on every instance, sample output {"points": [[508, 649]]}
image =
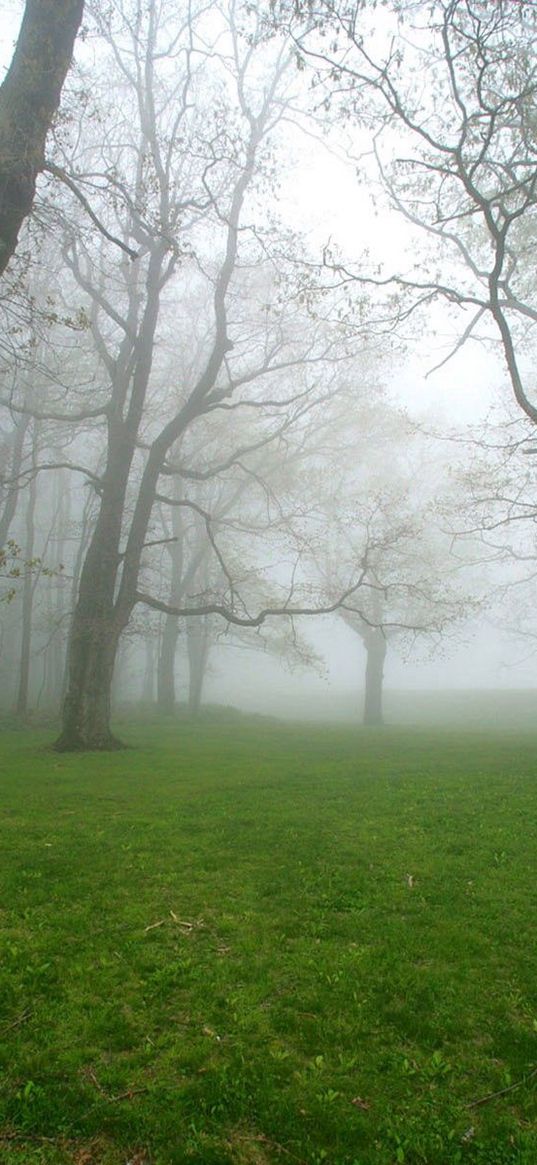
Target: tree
{"points": [[450, 107], [386, 507], [178, 181], [412, 596], [29, 98], [496, 527], [11, 474]]}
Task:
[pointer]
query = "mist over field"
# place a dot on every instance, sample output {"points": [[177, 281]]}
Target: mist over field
{"points": [[268, 566], [267, 401]]}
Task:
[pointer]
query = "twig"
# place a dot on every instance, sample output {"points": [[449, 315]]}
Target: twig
{"points": [[16, 1022], [502, 1091], [261, 1139], [126, 1095], [27, 1136], [129, 1092]]}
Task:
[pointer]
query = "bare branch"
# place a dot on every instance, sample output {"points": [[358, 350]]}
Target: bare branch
{"points": [[70, 182], [250, 620]]}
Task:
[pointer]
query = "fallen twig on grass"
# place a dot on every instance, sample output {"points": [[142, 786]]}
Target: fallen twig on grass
{"points": [[502, 1091], [126, 1095], [197, 924], [188, 926], [16, 1022], [27, 1136], [261, 1139]]}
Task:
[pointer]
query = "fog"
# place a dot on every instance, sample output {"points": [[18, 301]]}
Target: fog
{"points": [[265, 420]]}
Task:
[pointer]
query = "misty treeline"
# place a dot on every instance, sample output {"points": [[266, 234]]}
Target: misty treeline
{"points": [[202, 442]]}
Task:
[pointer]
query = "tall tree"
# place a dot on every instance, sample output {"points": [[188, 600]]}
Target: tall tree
{"points": [[179, 184], [29, 98]]}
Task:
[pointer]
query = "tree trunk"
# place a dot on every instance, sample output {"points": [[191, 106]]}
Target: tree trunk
{"points": [[10, 503], [198, 643], [375, 645], [27, 604], [148, 682], [168, 645], [95, 627], [29, 97], [166, 665], [54, 654], [100, 616], [75, 582], [86, 714]]}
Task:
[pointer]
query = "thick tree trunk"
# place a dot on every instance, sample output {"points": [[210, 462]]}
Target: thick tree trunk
{"points": [[29, 97], [95, 627], [101, 615], [375, 645], [86, 716]]}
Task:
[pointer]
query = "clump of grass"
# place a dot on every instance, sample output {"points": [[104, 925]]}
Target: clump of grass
{"points": [[260, 943]]}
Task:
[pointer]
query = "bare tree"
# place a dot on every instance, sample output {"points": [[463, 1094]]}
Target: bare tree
{"points": [[177, 182], [413, 598], [386, 507], [449, 105]]}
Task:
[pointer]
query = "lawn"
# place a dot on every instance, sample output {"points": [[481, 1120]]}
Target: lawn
{"points": [[249, 943]]}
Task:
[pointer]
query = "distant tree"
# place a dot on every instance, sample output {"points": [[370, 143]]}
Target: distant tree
{"points": [[10, 475], [409, 596], [29, 98], [386, 505], [28, 589]]}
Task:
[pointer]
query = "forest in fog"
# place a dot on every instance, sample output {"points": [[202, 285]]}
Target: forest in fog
{"points": [[267, 387]]}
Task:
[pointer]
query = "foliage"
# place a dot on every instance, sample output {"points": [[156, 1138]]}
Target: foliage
{"points": [[269, 943], [13, 567]]}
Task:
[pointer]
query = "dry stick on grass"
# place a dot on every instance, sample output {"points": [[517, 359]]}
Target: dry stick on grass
{"points": [[126, 1095], [502, 1091], [261, 1139], [26, 1136], [180, 922], [22, 1018]]}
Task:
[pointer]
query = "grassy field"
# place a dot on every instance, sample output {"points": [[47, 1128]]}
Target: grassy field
{"points": [[256, 943]]}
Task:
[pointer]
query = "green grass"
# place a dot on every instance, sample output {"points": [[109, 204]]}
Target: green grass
{"points": [[211, 952]]}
